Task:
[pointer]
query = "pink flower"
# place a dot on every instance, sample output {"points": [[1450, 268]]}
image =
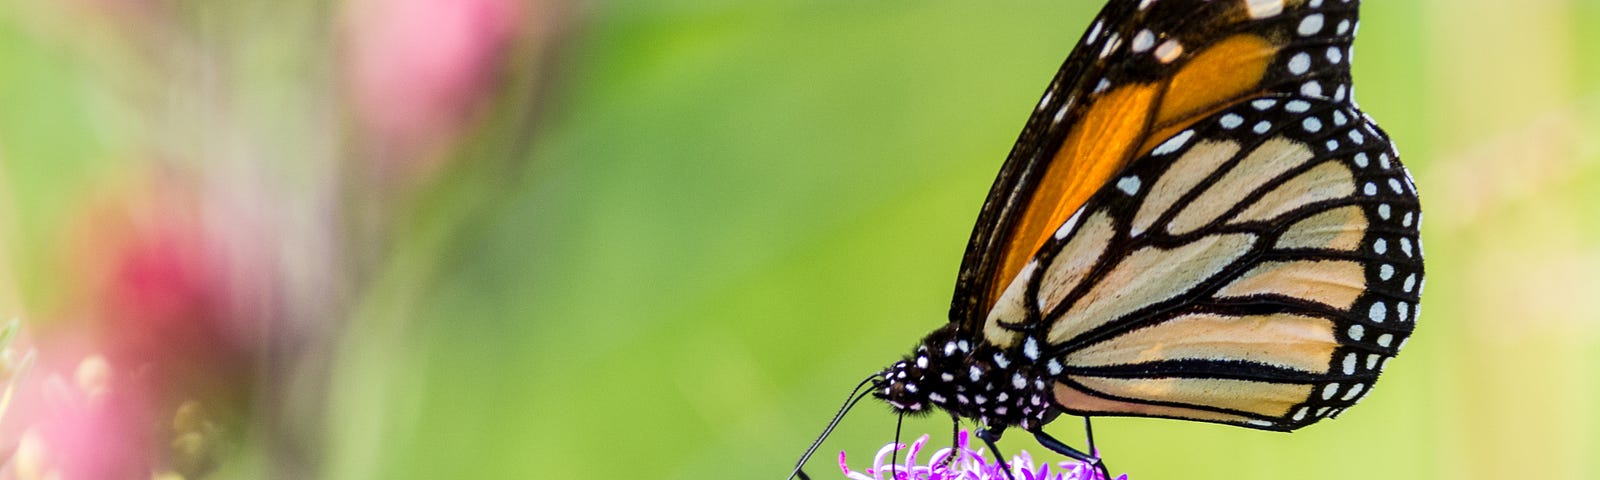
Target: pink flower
{"points": [[97, 424], [160, 292], [968, 464], [419, 68]]}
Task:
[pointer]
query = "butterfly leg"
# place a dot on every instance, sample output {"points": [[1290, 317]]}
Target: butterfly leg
{"points": [[1062, 448], [955, 442], [1088, 431], [989, 436], [894, 460]]}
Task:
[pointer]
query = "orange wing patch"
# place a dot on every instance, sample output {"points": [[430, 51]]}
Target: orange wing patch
{"points": [[1215, 77], [1099, 148], [1104, 140]]}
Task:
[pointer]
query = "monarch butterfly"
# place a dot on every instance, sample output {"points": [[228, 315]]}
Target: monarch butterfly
{"points": [[1196, 223]]}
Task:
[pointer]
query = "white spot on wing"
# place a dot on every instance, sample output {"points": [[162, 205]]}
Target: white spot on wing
{"points": [[1300, 63], [1355, 391], [1310, 25], [1169, 51], [1312, 124], [1260, 9], [1231, 121], [1112, 43], [1311, 89], [1143, 41], [1066, 228], [1173, 144], [1129, 185]]}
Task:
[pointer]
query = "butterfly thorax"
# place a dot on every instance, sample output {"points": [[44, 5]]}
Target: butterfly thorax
{"points": [[969, 378]]}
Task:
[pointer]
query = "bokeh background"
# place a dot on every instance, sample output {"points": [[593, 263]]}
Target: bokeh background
{"points": [[662, 239]]}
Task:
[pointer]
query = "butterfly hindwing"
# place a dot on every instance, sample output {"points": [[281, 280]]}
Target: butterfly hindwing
{"points": [[1258, 268]]}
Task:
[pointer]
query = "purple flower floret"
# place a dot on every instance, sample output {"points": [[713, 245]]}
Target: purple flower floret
{"points": [[969, 464]]}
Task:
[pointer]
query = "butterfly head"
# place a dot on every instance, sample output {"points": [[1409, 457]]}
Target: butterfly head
{"points": [[969, 378]]}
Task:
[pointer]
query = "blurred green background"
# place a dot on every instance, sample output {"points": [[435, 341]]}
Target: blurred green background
{"points": [[669, 236]]}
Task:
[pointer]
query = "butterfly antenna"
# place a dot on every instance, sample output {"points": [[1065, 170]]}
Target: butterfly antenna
{"points": [[855, 396]]}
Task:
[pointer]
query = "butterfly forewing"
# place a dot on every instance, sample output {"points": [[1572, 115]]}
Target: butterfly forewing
{"points": [[1254, 260], [1143, 71]]}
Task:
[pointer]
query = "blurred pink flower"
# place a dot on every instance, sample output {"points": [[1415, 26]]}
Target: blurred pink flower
{"points": [[151, 326], [84, 419], [157, 290], [417, 69]]}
